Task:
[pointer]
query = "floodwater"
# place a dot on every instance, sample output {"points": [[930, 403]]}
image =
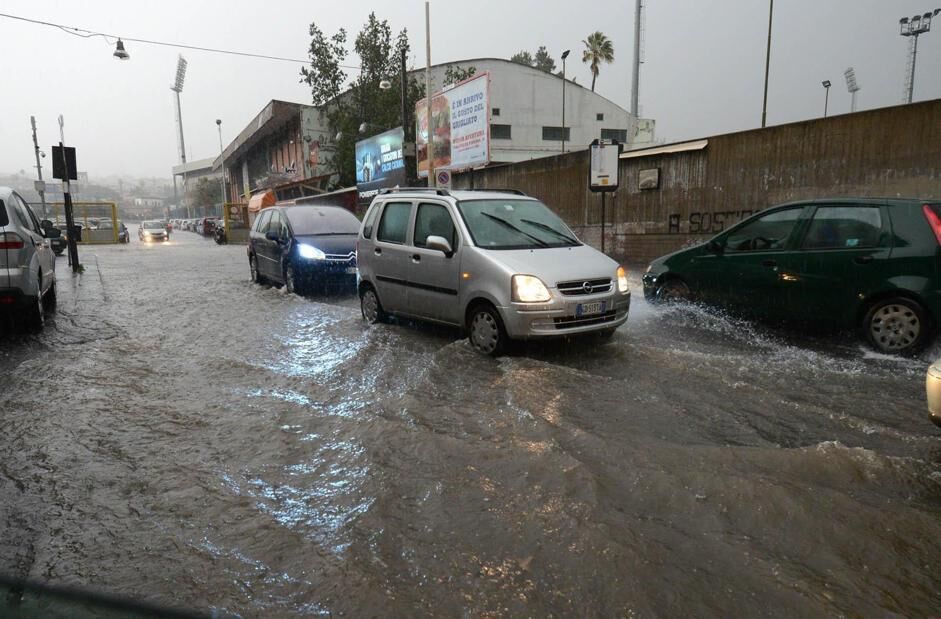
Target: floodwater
{"points": [[181, 436]]}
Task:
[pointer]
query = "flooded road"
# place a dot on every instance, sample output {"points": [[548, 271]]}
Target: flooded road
{"points": [[181, 436]]}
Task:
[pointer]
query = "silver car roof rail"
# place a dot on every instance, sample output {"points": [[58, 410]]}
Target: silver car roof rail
{"points": [[516, 192], [440, 192]]}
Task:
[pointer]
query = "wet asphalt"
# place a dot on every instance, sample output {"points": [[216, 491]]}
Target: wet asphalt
{"points": [[180, 436]]}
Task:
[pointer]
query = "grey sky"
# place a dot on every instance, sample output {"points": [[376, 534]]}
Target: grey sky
{"points": [[703, 72]]}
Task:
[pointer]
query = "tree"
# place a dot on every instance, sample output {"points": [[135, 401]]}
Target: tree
{"points": [[598, 49], [523, 57], [207, 193], [543, 61], [364, 104], [455, 74]]}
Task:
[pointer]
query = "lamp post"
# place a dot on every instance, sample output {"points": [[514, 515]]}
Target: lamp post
{"points": [[826, 99], [221, 161], [565, 55], [764, 106], [917, 25]]}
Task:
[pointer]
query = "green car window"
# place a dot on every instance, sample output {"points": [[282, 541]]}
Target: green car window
{"points": [[767, 233], [844, 227]]}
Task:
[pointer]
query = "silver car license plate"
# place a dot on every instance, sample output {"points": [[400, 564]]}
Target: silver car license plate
{"points": [[589, 309]]}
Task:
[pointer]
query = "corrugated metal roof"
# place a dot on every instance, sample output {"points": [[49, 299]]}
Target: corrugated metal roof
{"points": [[680, 147]]}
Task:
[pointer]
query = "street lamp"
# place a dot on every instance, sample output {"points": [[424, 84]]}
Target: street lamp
{"points": [[565, 55], [119, 52], [221, 162], [917, 25], [826, 99]]}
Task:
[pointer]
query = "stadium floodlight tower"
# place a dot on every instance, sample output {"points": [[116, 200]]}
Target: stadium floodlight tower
{"points": [[177, 88], [851, 86], [912, 28]]}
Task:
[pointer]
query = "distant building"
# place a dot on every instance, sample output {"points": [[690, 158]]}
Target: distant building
{"points": [[285, 148], [148, 202], [279, 150], [526, 112]]}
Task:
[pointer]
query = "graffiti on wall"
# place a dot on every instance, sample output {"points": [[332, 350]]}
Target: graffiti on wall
{"points": [[706, 222]]}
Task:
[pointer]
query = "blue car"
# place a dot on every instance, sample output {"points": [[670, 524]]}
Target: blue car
{"points": [[304, 247]]}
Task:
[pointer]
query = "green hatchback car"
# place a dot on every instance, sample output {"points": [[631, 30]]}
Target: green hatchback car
{"points": [[867, 264]]}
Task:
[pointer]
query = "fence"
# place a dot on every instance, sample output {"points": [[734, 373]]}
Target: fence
{"points": [[98, 221]]}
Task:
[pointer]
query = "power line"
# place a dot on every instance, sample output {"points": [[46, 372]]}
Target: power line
{"points": [[81, 32]]}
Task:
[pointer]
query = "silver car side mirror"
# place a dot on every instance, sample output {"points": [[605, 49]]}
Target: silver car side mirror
{"points": [[440, 243]]}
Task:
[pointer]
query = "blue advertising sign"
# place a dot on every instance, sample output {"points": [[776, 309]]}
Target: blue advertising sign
{"points": [[379, 163]]}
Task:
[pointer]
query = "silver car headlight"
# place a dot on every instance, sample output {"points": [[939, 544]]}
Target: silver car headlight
{"points": [[530, 289], [622, 280]]}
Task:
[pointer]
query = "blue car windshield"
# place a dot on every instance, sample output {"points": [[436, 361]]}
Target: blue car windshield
{"points": [[514, 224]]}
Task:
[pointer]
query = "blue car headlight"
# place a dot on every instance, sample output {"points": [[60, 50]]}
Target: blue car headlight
{"points": [[310, 252]]}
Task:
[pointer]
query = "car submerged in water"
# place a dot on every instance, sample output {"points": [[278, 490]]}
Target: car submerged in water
{"points": [[851, 263], [499, 264], [304, 247], [153, 230]]}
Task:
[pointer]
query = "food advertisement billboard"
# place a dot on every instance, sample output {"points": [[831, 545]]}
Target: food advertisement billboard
{"points": [[460, 126]]}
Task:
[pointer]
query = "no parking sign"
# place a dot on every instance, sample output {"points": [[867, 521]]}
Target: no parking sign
{"points": [[443, 178]]}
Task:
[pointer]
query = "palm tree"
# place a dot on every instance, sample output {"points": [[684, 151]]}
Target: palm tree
{"points": [[598, 49]]}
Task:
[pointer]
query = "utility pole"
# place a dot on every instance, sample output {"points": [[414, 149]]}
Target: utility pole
{"points": [[221, 163], [177, 88], [764, 106], [432, 181], [40, 186], [406, 129], [635, 79], [69, 213]]}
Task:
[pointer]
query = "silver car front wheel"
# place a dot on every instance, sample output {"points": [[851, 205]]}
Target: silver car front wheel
{"points": [[370, 306], [486, 331]]}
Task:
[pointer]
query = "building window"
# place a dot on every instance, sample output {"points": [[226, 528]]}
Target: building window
{"points": [[614, 134], [501, 132], [554, 134], [496, 111], [599, 116]]}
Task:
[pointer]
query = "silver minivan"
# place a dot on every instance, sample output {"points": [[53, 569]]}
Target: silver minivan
{"points": [[27, 262], [499, 264]]}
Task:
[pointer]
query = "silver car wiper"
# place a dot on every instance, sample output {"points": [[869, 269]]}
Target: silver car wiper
{"points": [[515, 229], [549, 228]]}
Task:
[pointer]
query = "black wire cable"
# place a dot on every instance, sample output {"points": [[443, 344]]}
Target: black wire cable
{"points": [[81, 32]]}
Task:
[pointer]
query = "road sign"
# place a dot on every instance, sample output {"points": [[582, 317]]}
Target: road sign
{"points": [[603, 171], [444, 178], [58, 165]]}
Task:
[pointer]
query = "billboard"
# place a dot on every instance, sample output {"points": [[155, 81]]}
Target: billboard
{"points": [[379, 163], [460, 126]]}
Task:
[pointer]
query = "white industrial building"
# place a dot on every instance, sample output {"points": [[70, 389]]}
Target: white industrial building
{"points": [[526, 112]]}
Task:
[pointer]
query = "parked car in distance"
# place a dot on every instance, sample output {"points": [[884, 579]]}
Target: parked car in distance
{"points": [[153, 230], [27, 262], [123, 235], [303, 247], [499, 264], [867, 264], [933, 390]]}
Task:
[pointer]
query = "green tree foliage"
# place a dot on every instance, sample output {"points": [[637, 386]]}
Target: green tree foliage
{"points": [[207, 192], [523, 57], [364, 105], [543, 61], [456, 73], [598, 49]]}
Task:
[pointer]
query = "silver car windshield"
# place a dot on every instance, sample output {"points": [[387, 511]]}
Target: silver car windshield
{"points": [[514, 224], [154, 225]]}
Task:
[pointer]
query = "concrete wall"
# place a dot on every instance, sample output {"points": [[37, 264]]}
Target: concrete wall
{"points": [[889, 152]]}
